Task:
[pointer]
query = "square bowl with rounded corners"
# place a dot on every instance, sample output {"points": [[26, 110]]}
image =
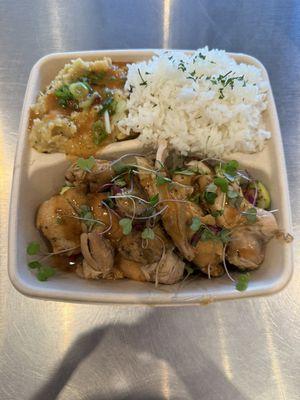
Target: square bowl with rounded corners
{"points": [[39, 176]]}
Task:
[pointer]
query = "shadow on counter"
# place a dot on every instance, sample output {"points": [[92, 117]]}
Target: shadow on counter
{"points": [[206, 382]]}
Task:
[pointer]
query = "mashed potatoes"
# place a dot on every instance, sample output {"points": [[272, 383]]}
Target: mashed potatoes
{"points": [[81, 95]]}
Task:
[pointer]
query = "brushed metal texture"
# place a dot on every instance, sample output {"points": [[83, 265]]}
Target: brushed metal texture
{"points": [[235, 350]]}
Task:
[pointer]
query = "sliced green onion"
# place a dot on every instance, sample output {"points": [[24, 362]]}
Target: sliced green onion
{"points": [[79, 90], [107, 122], [99, 133]]}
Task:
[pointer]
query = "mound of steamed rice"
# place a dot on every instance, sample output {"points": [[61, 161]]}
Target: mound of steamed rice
{"points": [[205, 103]]}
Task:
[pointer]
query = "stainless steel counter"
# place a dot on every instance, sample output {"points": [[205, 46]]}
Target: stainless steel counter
{"points": [[234, 350]]}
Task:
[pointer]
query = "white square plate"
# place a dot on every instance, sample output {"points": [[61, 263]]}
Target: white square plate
{"points": [[39, 176]]}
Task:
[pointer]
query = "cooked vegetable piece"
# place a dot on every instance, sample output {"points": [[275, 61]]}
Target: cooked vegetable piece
{"points": [[79, 90]]}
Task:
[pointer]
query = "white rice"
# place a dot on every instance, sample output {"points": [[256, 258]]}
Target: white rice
{"points": [[181, 99]]}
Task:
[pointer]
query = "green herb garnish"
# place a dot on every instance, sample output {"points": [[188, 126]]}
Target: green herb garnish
{"points": [[86, 164], [109, 105], [207, 234], [211, 188], [181, 66], [217, 213], [230, 169], [196, 224], [34, 264], [186, 172], [44, 273], [232, 194], [221, 183], [120, 182], [161, 165], [143, 83], [242, 282], [95, 78], [99, 133], [251, 214], [126, 225], [87, 215], [33, 248], [224, 235], [148, 233], [64, 96], [79, 90], [210, 194], [154, 200], [189, 269], [210, 197], [161, 180]]}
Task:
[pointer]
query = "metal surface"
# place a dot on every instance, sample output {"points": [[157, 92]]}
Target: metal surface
{"points": [[246, 349]]}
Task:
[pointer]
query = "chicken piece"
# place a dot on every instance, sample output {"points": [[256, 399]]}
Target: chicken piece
{"points": [[76, 197], [199, 167], [130, 269], [134, 248], [56, 219], [174, 217], [98, 257], [186, 180], [266, 223], [132, 206], [208, 255], [246, 249], [168, 270], [231, 215], [176, 222], [103, 214], [181, 192], [194, 210], [147, 179], [100, 174]]}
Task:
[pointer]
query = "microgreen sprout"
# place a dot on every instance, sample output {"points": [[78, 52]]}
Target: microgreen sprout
{"points": [[232, 194], [148, 233], [33, 248], [251, 214], [161, 180], [86, 164], [222, 183], [120, 182], [196, 224], [154, 200], [87, 216], [126, 225], [217, 213], [242, 282], [210, 194], [43, 272], [187, 172], [230, 169], [34, 264], [99, 133]]}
